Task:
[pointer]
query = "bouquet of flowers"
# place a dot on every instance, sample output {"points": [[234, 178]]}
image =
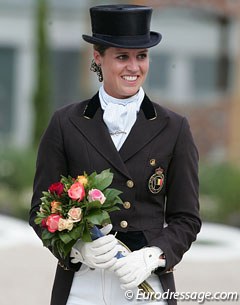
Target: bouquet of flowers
{"points": [[73, 208]]}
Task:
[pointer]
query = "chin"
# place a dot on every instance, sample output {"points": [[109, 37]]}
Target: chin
{"points": [[129, 92]]}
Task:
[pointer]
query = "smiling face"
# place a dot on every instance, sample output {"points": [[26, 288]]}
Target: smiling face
{"points": [[124, 70]]}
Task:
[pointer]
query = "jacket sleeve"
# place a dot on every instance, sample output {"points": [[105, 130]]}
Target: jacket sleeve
{"points": [[51, 164], [182, 204]]}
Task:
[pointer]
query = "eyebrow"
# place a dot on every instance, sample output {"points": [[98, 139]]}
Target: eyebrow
{"points": [[143, 51], [126, 52]]}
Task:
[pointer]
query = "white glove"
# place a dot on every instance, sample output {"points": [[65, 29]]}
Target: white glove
{"points": [[137, 266], [99, 253]]}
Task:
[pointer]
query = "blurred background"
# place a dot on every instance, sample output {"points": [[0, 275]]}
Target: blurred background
{"points": [[195, 70]]}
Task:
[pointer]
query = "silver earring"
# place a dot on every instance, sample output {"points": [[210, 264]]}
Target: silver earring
{"points": [[97, 68]]}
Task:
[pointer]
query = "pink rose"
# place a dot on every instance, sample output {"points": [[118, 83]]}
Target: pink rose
{"points": [[52, 222], [96, 195], [76, 191], [56, 188]]}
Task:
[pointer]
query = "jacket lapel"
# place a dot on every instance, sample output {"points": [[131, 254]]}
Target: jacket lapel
{"points": [[149, 123], [90, 124]]}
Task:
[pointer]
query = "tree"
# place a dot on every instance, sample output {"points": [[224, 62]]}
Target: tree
{"points": [[42, 87]]}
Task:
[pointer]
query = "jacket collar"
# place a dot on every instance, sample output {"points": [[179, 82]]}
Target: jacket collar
{"points": [[150, 122], [146, 106]]}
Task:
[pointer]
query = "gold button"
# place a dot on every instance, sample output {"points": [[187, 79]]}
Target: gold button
{"points": [[123, 224], [130, 183], [127, 205], [152, 162]]}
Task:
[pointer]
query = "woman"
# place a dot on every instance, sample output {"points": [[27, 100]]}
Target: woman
{"points": [[151, 152]]}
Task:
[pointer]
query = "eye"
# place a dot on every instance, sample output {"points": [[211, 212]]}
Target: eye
{"points": [[142, 56], [122, 57]]}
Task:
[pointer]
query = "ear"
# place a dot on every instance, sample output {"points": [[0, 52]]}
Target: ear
{"points": [[97, 57]]}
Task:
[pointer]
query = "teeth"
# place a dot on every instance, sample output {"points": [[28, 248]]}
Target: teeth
{"points": [[130, 78]]}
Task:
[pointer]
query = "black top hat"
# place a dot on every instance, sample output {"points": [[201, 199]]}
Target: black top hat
{"points": [[122, 26]]}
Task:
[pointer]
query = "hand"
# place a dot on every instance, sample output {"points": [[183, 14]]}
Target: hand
{"points": [[99, 253], [137, 266]]}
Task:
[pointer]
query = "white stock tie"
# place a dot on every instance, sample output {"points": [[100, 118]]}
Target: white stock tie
{"points": [[120, 114]]}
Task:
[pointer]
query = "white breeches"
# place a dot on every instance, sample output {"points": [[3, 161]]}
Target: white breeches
{"points": [[102, 287]]}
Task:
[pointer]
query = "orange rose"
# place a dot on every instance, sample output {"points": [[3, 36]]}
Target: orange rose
{"points": [[55, 205]]}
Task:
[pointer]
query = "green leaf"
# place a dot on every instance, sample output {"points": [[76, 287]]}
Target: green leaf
{"points": [[46, 243], [93, 205], [91, 176], [45, 201], [112, 198], [67, 248], [90, 180], [86, 236], [111, 194], [38, 220], [118, 201], [57, 247], [46, 194], [47, 235], [111, 209], [65, 237], [97, 217], [103, 180], [77, 232]]}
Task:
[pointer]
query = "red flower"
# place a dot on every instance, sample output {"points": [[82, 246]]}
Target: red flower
{"points": [[52, 222], [56, 188], [44, 223]]}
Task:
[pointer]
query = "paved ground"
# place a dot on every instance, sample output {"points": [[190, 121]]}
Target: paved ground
{"points": [[27, 269]]}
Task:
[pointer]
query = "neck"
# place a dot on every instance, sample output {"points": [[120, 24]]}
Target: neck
{"points": [[106, 98], [119, 97]]}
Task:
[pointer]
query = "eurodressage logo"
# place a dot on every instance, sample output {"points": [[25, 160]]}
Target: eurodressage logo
{"points": [[156, 181]]}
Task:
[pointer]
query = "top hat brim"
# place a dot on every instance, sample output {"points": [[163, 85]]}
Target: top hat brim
{"points": [[128, 42]]}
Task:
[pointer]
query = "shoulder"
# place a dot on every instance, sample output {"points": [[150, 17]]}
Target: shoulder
{"points": [[175, 120], [79, 109], [162, 110], [177, 124], [61, 117], [76, 108]]}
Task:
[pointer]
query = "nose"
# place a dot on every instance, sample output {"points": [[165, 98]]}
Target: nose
{"points": [[132, 65]]}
